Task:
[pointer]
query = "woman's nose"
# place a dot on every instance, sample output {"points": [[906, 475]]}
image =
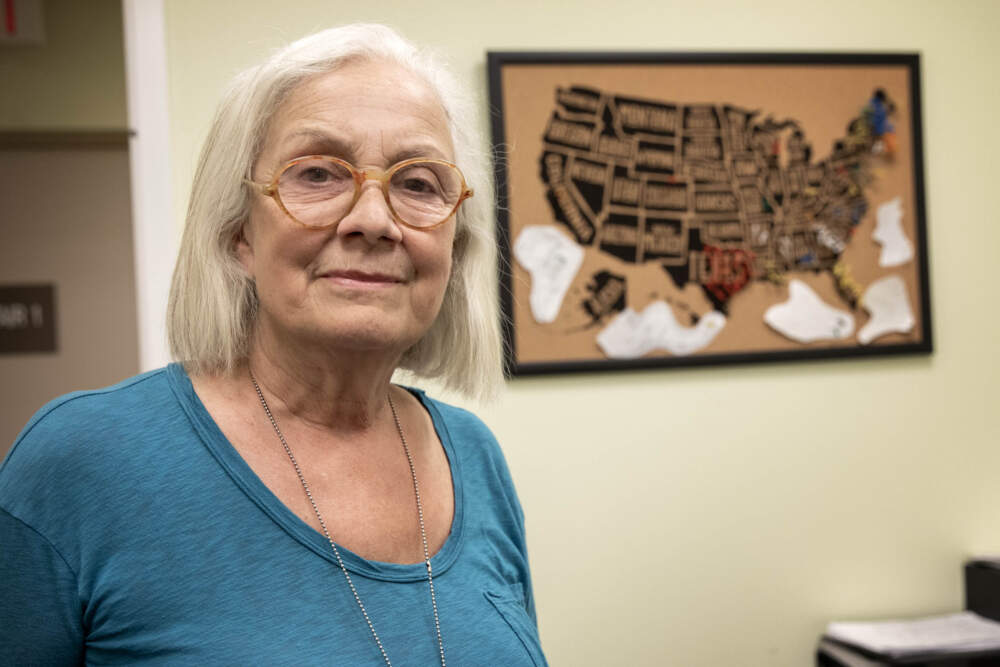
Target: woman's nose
{"points": [[370, 217]]}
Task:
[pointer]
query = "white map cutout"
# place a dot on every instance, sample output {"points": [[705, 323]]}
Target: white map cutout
{"points": [[889, 306], [896, 248], [631, 335], [553, 260], [806, 318]]}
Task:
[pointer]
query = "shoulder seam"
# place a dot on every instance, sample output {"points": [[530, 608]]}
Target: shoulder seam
{"points": [[44, 539], [73, 396], [442, 407]]}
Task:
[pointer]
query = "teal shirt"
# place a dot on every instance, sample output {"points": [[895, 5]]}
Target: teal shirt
{"points": [[132, 532]]}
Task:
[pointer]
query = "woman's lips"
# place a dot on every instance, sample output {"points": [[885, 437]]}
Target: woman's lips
{"points": [[362, 279]]}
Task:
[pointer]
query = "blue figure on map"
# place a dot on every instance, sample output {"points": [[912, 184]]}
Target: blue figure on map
{"points": [[881, 108], [880, 114]]}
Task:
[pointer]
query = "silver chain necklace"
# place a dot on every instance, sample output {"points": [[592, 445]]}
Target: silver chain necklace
{"points": [[336, 551]]}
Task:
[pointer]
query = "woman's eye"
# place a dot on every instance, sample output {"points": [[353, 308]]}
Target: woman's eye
{"points": [[418, 185], [316, 175], [419, 181]]}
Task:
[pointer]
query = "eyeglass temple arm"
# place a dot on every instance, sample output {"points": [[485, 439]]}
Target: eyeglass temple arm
{"points": [[264, 188]]}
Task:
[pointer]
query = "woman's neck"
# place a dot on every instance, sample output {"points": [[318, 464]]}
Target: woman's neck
{"points": [[343, 392]]}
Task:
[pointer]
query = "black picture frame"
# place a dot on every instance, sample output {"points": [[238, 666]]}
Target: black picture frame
{"points": [[497, 61]]}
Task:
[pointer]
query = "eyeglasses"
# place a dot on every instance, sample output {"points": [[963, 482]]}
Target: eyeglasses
{"points": [[319, 191]]}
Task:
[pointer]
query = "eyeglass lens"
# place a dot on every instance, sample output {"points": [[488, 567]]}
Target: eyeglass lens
{"points": [[317, 192]]}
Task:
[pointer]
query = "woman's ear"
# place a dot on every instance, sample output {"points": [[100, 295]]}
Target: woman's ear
{"points": [[244, 248]]}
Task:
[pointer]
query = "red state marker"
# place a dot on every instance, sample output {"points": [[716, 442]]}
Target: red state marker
{"points": [[10, 17]]}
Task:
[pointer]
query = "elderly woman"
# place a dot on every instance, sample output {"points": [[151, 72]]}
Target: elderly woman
{"points": [[275, 499]]}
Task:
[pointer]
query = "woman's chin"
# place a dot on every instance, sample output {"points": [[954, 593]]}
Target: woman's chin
{"points": [[367, 337]]}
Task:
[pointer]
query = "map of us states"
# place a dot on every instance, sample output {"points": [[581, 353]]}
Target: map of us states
{"points": [[716, 194]]}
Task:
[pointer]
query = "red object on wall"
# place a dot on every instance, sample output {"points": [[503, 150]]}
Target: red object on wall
{"points": [[731, 270], [10, 17]]}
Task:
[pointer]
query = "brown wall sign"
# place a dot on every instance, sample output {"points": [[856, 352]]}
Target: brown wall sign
{"points": [[27, 319]]}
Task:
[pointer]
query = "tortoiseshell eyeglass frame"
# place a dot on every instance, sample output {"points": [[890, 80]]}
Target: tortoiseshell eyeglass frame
{"points": [[360, 176]]}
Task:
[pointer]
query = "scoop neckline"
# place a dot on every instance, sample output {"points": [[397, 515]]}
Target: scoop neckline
{"points": [[247, 480]]}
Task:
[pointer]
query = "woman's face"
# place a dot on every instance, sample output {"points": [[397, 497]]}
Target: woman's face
{"points": [[367, 283]]}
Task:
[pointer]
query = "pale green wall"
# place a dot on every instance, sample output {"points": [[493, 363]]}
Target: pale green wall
{"points": [[76, 79], [722, 516]]}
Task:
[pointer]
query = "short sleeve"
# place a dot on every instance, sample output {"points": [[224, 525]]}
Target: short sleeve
{"points": [[40, 612]]}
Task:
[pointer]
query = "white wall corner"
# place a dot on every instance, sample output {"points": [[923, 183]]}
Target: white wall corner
{"points": [[154, 240]]}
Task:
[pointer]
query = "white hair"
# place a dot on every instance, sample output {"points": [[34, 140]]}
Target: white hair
{"points": [[213, 303]]}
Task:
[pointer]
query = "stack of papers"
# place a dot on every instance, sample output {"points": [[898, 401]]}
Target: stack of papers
{"points": [[948, 635]]}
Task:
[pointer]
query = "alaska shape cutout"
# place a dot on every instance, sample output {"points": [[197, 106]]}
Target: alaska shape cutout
{"points": [[632, 335], [553, 260], [806, 318], [887, 302], [896, 248]]}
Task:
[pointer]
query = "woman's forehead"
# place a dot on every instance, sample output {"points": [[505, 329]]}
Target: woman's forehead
{"points": [[361, 109]]}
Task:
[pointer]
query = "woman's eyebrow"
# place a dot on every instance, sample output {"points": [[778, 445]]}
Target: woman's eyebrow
{"points": [[427, 150], [323, 142]]}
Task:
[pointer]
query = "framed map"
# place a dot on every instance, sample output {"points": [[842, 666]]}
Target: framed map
{"points": [[687, 209]]}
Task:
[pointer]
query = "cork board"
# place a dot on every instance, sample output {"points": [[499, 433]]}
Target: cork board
{"points": [[685, 209]]}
